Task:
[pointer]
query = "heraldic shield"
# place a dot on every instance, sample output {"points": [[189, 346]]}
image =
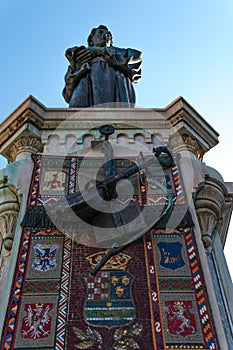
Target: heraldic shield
{"points": [[171, 255], [108, 300]]}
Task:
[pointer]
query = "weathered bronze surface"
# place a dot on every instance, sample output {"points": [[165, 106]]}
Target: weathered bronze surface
{"points": [[101, 73]]}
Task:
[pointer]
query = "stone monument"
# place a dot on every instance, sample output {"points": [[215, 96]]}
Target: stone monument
{"points": [[112, 227]]}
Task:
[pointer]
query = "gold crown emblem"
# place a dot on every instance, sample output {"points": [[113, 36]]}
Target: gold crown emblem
{"points": [[45, 246], [116, 262], [178, 304], [39, 305]]}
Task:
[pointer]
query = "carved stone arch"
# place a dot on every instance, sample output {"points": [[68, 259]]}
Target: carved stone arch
{"points": [[122, 138], [70, 142], [53, 143], [140, 138], [86, 140], [157, 140]]}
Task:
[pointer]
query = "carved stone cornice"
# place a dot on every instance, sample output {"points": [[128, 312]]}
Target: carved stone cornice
{"points": [[33, 118], [185, 120], [25, 144], [17, 120], [175, 119]]}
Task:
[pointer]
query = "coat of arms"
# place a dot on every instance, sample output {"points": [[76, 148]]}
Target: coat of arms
{"points": [[53, 183], [171, 255], [180, 319], [54, 180], [108, 300], [37, 323], [45, 257]]}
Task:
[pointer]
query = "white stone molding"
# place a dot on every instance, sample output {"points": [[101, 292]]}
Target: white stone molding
{"points": [[32, 121]]}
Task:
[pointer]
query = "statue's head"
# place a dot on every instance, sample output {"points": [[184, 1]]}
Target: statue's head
{"points": [[100, 36]]}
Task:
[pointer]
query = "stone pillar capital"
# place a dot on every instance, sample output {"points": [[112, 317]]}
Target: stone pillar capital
{"points": [[183, 143], [25, 145]]}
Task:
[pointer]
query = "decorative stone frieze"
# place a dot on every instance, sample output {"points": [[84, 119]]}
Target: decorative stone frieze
{"points": [[178, 117], [33, 119]]}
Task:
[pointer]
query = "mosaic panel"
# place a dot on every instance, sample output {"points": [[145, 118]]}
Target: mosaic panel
{"points": [[45, 259], [179, 302], [37, 322], [149, 296], [181, 319], [171, 254]]}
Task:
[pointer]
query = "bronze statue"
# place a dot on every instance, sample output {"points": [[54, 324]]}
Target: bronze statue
{"points": [[101, 73]]}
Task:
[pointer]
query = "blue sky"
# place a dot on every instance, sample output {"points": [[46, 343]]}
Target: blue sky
{"points": [[187, 50]]}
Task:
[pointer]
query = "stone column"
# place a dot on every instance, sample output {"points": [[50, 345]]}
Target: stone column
{"points": [[214, 203], [9, 208]]}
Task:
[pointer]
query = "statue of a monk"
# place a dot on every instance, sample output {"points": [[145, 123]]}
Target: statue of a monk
{"points": [[101, 73]]}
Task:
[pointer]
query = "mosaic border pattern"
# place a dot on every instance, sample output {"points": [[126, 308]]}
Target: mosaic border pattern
{"points": [[197, 291], [20, 290]]}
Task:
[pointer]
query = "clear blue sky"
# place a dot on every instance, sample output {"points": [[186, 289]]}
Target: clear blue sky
{"points": [[187, 50]]}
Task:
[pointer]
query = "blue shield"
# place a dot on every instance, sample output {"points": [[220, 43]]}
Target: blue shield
{"points": [[171, 255]]}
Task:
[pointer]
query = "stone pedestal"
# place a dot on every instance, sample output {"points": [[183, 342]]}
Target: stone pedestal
{"points": [[32, 128]]}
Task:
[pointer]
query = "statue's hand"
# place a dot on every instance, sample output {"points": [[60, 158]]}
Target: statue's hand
{"points": [[84, 55]]}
